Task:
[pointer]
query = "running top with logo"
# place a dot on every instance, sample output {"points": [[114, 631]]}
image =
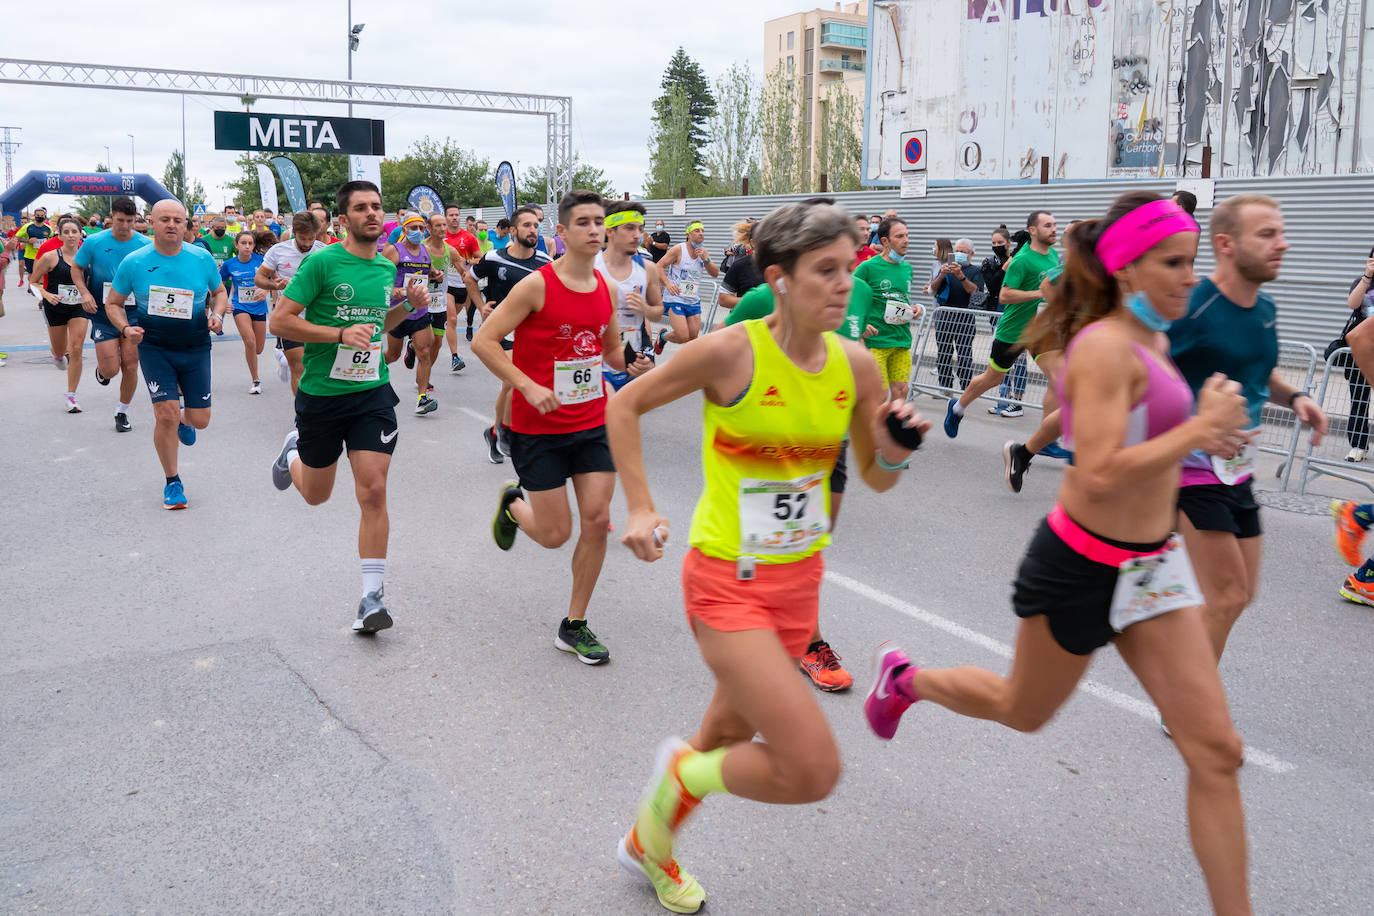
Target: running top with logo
{"points": [[436, 287], [284, 257], [33, 235], [1025, 272], [59, 282], [631, 323], [466, 244], [100, 257], [758, 303], [411, 267], [170, 294], [1217, 335], [559, 347], [340, 289], [244, 295], [891, 313], [222, 247], [686, 273], [767, 457]]}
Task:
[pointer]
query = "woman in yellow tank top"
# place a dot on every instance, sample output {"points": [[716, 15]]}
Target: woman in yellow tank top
{"points": [[780, 394]]}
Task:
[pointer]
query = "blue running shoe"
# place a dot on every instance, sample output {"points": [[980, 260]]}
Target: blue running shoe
{"points": [[174, 496], [1055, 450], [187, 434], [952, 419]]}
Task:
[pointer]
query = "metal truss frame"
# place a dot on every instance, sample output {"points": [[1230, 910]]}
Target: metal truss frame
{"points": [[556, 109]]}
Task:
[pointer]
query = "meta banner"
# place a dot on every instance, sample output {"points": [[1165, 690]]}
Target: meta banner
{"points": [[291, 133]]}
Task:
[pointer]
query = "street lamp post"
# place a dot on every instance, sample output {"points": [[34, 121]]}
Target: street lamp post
{"points": [[107, 156], [132, 166], [354, 30]]}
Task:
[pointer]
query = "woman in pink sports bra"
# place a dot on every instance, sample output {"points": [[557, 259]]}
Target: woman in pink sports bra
{"points": [[1105, 565]]}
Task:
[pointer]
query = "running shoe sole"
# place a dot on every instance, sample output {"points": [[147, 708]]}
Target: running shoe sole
{"points": [[952, 420], [493, 452], [558, 643], [1356, 597], [377, 619], [628, 862], [122, 426], [879, 674]]}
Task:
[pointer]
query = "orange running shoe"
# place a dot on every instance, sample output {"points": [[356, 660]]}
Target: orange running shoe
{"points": [[678, 891], [824, 669], [1357, 591], [1349, 534]]}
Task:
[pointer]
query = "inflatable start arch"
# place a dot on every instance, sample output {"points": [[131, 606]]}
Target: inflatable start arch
{"points": [[100, 184]]}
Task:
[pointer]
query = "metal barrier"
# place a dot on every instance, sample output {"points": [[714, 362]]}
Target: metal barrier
{"points": [[965, 337], [1344, 395], [1280, 429]]}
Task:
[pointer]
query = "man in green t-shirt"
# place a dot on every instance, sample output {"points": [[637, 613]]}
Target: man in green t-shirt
{"points": [[758, 303], [345, 398], [1021, 299], [887, 329], [219, 241]]}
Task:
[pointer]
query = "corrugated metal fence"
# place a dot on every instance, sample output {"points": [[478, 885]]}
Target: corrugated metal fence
{"points": [[1328, 229]]}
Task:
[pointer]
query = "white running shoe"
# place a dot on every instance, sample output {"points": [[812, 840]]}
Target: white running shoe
{"points": [[283, 368], [72, 406], [1355, 455], [255, 388]]}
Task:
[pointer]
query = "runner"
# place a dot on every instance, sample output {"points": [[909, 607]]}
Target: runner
{"points": [[1230, 327], [179, 300], [780, 393], [413, 267], [465, 242], [61, 305], [887, 328], [680, 273], [231, 222], [93, 270], [218, 242], [502, 268], [448, 261], [637, 295], [249, 303], [337, 303], [1105, 566], [278, 267], [1021, 295], [565, 331], [31, 235]]}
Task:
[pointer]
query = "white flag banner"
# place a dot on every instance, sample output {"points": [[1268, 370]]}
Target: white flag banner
{"points": [[268, 183], [365, 168]]}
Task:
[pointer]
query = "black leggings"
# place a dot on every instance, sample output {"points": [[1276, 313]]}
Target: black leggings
{"points": [[1357, 431], [472, 310], [954, 333]]}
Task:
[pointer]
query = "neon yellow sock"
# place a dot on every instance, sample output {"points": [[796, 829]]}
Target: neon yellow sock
{"points": [[701, 773]]}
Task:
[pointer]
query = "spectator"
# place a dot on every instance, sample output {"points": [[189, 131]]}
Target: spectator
{"points": [[659, 242], [944, 253], [866, 230], [1187, 200], [742, 275], [1361, 304], [502, 238], [956, 279], [739, 246]]}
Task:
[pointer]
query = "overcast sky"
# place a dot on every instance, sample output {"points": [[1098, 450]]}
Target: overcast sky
{"points": [[607, 55]]}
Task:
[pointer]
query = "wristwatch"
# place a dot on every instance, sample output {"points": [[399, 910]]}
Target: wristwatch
{"points": [[1296, 395]]}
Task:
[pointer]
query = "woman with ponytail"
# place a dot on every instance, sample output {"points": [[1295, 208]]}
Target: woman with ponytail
{"points": [[1106, 566]]}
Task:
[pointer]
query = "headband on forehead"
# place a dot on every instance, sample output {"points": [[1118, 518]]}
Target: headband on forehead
{"points": [[1140, 230], [413, 218], [695, 225], [624, 216]]}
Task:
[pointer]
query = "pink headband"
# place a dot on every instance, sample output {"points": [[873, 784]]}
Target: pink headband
{"points": [[1140, 230]]}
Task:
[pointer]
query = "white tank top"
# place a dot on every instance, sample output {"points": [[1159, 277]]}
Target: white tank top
{"points": [[686, 273], [637, 281]]}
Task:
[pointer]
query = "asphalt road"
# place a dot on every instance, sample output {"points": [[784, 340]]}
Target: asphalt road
{"points": [[189, 725]]}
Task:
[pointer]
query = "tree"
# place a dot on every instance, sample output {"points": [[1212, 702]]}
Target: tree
{"points": [[87, 206], [173, 176], [839, 150], [672, 163], [321, 173], [686, 75], [780, 131], [732, 152], [459, 176], [585, 177]]}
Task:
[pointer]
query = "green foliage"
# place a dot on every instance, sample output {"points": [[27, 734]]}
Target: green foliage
{"points": [[839, 150], [780, 130], [173, 176], [732, 152], [459, 176], [585, 177], [685, 75], [86, 206], [321, 173], [672, 156]]}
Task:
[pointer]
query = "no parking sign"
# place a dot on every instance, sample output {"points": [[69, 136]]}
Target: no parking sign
{"points": [[914, 151]]}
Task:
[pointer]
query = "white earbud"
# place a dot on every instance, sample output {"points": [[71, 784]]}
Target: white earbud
{"points": [[782, 287]]}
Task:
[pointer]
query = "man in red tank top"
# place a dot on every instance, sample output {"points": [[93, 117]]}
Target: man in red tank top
{"points": [[564, 328]]}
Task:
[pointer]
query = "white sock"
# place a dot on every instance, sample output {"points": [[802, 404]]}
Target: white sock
{"points": [[373, 570], [122, 408], [958, 409], [72, 395], [294, 456]]}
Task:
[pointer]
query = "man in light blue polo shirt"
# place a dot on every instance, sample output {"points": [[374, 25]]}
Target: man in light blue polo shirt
{"points": [[93, 271], [179, 299]]}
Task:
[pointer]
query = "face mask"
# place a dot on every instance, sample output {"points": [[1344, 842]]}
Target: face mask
{"points": [[482, 234], [415, 236], [1145, 313], [961, 257], [40, 219], [658, 228], [894, 257], [219, 233], [873, 226], [1000, 251]]}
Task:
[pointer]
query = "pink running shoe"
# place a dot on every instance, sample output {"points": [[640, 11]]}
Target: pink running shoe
{"points": [[885, 704]]}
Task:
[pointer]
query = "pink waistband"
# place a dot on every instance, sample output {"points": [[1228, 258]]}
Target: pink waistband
{"points": [[1086, 544]]}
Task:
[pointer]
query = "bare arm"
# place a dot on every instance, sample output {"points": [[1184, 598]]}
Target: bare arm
{"points": [[41, 268], [79, 279], [1306, 409], [1357, 294], [868, 431], [266, 278], [523, 301], [1011, 296]]}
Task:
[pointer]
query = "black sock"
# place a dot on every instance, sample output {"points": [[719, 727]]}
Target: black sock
{"points": [[814, 646], [175, 478]]}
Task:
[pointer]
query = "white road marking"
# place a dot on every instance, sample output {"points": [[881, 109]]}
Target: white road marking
{"points": [[477, 416], [1253, 756]]}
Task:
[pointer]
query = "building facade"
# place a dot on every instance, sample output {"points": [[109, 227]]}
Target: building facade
{"points": [[817, 49]]}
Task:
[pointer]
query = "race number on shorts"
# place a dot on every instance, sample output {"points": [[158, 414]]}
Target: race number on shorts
{"points": [[1152, 585]]}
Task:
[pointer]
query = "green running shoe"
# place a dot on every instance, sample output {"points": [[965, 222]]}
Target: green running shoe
{"points": [[678, 891], [576, 637], [503, 526]]}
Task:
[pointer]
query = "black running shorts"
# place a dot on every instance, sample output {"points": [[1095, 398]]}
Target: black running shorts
{"points": [[327, 424], [1218, 507], [1073, 592], [57, 316], [547, 461], [839, 476]]}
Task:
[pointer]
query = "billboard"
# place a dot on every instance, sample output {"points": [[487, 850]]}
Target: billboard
{"points": [[1117, 88]]}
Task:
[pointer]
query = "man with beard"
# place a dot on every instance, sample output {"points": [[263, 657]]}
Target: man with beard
{"points": [[345, 398]]}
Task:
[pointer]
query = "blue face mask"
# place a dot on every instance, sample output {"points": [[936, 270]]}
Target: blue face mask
{"points": [[1145, 313], [961, 258], [894, 257], [415, 236]]}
